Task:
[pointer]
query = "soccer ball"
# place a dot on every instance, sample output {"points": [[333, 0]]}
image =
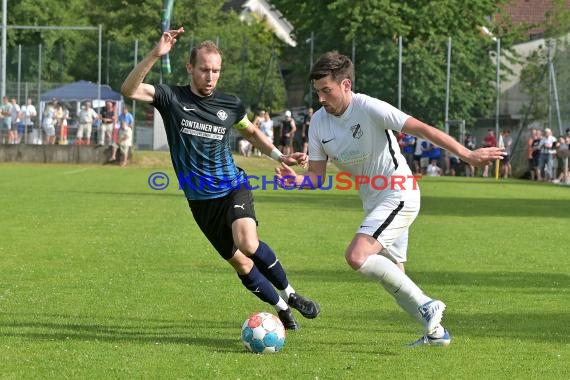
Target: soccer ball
{"points": [[263, 333]]}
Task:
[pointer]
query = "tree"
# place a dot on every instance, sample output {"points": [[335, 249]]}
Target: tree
{"points": [[536, 79], [73, 55], [61, 49], [374, 27], [246, 47]]}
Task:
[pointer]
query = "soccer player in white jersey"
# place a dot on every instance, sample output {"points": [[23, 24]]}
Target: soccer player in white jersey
{"points": [[356, 132]]}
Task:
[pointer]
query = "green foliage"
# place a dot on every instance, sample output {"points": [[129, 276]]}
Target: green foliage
{"points": [[256, 63], [536, 79], [375, 25], [61, 49], [71, 55]]}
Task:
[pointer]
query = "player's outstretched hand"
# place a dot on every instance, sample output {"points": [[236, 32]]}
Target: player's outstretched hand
{"points": [[482, 156], [167, 41], [297, 158], [285, 175]]}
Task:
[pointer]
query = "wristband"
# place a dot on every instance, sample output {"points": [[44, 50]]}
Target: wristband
{"points": [[276, 154]]}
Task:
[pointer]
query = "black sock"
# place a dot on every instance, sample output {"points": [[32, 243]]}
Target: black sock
{"points": [[265, 259], [256, 283]]}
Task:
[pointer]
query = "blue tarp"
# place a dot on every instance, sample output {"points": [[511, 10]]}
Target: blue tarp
{"points": [[80, 91]]}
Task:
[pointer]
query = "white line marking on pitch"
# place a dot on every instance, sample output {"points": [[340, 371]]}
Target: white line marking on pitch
{"points": [[76, 171]]}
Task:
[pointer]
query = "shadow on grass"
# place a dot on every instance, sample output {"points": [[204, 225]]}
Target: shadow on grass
{"points": [[551, 208], [440, 206], [506, 280], [194, 332], [448, 206], [535, 327]]}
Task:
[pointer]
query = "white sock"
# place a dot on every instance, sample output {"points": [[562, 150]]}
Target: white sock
{"points": [[285, 293], [407, 294], [281, 305]]}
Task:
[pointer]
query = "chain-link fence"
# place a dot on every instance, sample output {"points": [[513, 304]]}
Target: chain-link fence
{"points": [[534, 85]]}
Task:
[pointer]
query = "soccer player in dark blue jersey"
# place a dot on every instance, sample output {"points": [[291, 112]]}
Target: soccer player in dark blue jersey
{"points": [[198, 120]]}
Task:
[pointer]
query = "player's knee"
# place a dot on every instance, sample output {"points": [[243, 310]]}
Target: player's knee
{"points": [[354, 260], [241, 263], [248, 246]]}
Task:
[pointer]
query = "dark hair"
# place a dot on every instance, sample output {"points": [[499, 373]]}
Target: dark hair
{"points": [[210, 46], [336, 65]]}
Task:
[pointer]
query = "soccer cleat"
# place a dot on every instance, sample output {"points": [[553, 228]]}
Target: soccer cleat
{"points": [[288, 320], [432, 313], [427, 340], [307, 307]]}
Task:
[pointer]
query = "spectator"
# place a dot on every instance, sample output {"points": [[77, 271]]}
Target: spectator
{"points": [[452, 162], [29, 114], [266, 126], [547, 147], [490, 140], [48, 123], [508, 145], [563, 152], [87, 117], [6, 114], [470, 144], [408, 148], [288, 129], [244, 147], [257, 123], [305, 130], [433, 170], [127, 117], [15, 120], [108, 120], [533, 154], [124, 144], [435, 154], [60, 121], [418, 153], [426, 151]]}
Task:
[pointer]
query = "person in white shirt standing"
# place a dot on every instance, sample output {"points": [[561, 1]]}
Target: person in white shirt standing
{"points": [[547, 155], [29, 114], [266, 126], [356, 132], [87, 116], [16, 119]]}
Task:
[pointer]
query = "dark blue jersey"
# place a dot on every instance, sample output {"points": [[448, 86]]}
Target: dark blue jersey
{"points": [[198, 132]]}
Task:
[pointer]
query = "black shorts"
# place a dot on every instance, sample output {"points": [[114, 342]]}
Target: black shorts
{"points": [[215, 218], [285, 141]]}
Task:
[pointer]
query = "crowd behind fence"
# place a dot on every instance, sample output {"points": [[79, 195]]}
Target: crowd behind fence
{"points": [[533, 153], [119, 60]]}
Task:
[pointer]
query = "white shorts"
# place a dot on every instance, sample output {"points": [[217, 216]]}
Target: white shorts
{"points": [[49, 130], [84, 129], [389, 223]]}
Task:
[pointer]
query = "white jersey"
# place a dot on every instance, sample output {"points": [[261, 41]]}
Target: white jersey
{"points": [[361, 142]]}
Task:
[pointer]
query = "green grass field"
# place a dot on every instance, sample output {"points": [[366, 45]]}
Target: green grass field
{"points": [[102, 277]]}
